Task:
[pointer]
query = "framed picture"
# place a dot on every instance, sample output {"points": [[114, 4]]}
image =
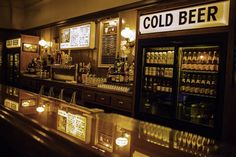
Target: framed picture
{"points": [[108, 42], [29, 47]]}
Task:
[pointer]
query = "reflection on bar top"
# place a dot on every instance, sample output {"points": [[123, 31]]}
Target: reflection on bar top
{"points": [[112, 134]]}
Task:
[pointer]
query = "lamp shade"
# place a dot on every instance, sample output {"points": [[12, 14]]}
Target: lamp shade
{"points": [[128, 33], [42, 43]]}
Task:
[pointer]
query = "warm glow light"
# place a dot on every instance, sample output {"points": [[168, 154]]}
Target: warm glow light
{"points": [[112, 23], [40, 109], [201, 57], [42, 43], [128, 33], [121, 141]]}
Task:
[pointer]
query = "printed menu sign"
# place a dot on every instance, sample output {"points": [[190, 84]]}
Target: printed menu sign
{"points": [[72, 124], [76, 126], [79, 36], [204, 16]]}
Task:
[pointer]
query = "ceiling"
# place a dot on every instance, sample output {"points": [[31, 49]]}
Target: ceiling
{"points": [[20, 3]]}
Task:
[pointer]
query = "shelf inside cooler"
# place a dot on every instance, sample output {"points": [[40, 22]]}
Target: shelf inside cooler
{"points": [[160, 65], [198, 95], [199, 72], [197, 123], [160, 77], [199, 47]]}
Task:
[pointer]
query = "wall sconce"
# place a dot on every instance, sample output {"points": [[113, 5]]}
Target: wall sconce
{"points": [[42, 43], [40, 109], [129, 36]]}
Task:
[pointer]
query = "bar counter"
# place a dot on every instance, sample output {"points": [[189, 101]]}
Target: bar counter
{"points": [[36, 125]]}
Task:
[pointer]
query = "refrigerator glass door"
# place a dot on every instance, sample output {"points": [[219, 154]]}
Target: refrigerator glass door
{"points": [[157, 81], [198, 79]]}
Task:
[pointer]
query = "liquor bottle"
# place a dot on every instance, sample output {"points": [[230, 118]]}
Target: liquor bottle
{"points": [[194, 61], [192, 84], [154, 88], [158, 72], [215, 61], [189, 61], [156, 57], [209, 60], [188, 80], [131, 72], [154, 71], [164, 57], [148, 57], [208, 85], [158, 85], [168, 87], [203, 83], [150, 84], [147, 103], [213, 86], [126, 71], [109, 74], [184, 61], [183, 81], [162, 72], [204, 61], [199, 58], [152, 58], [160, 58], [163, 84], [145, 84], [197, 84]]}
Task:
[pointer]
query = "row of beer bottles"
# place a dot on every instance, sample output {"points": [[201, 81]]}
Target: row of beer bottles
{"points": [[200, 60], [198, 83], [157, 85]]}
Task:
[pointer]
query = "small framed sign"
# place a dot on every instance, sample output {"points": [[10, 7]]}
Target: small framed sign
{"points": [[29, 47]]}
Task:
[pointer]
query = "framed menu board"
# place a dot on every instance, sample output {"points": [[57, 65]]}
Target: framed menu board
{"points": [[81, 36], [108, 42]]}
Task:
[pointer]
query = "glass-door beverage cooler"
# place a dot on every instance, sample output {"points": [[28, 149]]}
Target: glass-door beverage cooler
{"points": [[180, 82]]}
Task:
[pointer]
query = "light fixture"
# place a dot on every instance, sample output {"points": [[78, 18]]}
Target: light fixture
{"points": [[123, 140], [40, 109], [129, 36], [42, 43]]}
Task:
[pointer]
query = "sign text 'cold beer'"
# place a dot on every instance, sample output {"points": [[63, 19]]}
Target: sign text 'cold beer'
{"points": [[205, 16]]}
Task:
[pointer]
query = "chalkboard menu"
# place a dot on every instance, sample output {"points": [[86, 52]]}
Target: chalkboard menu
{"points": [[108, 48], [80, 36]]}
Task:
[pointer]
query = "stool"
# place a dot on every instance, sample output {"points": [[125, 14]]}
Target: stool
{"points": [[41, 91], [61, 94], [51, 92], [73, 98]]}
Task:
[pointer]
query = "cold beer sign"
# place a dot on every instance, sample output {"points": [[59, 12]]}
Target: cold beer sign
{"points": [[210, 15]]}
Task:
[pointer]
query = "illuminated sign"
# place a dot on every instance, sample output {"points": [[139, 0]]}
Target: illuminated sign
{"points": [[78, 37], [204, 16], [14, 43], [77, 126], [11, 104]]}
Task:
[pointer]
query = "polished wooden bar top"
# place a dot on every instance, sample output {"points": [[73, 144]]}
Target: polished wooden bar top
{"points": [[78, 129]]}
